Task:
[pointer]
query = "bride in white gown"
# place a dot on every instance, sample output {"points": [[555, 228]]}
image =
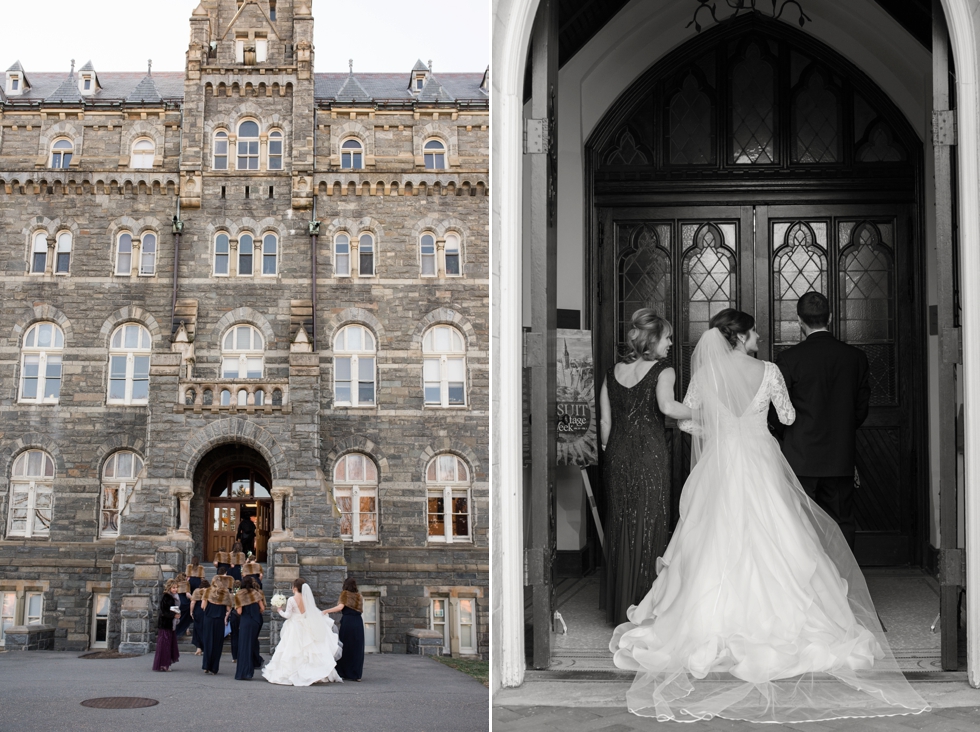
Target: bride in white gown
{"points": [[759, 611], [308, 646]]}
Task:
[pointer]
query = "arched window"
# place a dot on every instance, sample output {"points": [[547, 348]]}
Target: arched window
{"points": [[341, 259], [39, 253], [62, 262], [355, 491], [220, 150], [40, 367], [124, 254], [444, 367], [31, 494], [248, 145], [221, 254], [142, 154], [365, 256], [119, 476], [435, 155], [447, 488], [427, 254], [129, 365], [61, 152], [270, 255], [453, 257], [351, 154], [275, 150], [148, 255], [246, 252], [242, 353], [353, 365]]}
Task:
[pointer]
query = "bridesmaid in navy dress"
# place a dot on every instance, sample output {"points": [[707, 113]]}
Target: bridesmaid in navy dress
{"points": [[351, 633], [636, 395], [217, 607], [197, 611], [249, 605]]}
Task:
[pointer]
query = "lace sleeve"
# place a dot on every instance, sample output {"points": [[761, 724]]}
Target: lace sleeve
{"points": [[290, 608], [779, 396], [692, 400]]}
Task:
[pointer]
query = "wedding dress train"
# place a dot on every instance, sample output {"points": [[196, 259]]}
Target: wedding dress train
{"points": [[308, 646], [759, 611]]}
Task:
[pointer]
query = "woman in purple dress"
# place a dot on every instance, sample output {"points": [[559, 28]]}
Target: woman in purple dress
{"points": [[167, 652]]}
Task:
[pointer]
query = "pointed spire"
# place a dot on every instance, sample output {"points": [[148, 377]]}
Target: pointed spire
{"points": [[72, 73], [350, 63], [16, 67], [149, 67]]}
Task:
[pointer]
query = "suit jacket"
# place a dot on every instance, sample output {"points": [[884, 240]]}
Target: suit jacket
{"points": [[828, 384]]}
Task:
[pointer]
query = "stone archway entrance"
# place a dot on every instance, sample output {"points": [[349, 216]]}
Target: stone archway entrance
{"points": [[232, 484]]}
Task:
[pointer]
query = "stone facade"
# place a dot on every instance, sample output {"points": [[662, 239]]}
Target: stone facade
{"points": [[191, 205]]}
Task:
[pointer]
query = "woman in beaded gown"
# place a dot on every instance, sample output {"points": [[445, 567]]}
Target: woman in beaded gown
{"points": [[759, 611], [635, 396]]}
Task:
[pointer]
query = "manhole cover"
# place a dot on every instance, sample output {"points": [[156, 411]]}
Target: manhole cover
{"points": [[119, 702]]}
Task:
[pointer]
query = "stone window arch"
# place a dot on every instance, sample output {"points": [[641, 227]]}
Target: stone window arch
{"points": [[142, 153], [427, 254], [40, 365], [121, 473], [129, 365], [355, 491], [275, 154], [242, 352], [62, 150], [355, 361], [341, 254], [434, 154], [247, 145], [352, 154], [219, 158], [448, 499], [270, 254], [444, 366]]}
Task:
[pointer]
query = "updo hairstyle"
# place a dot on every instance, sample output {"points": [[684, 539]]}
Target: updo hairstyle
{"points": [[646, 330], [298, 584], [732, 323], [350, 585], [249, 584]]}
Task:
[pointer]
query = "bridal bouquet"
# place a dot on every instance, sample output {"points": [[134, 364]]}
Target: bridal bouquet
{"points": [[278, 600]]}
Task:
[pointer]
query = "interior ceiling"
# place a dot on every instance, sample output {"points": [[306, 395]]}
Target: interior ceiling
{"points": [[579, 20]]}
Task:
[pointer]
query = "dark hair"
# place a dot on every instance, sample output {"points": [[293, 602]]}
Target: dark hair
{"points": [[222, 570], [204, 584], [350, 585], [814, 310], [249, 583], [237, 584], [646, 329], [732, 323], [195, 561], [298, 584], [236, 547]]}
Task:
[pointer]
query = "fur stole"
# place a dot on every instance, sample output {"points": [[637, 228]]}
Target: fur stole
{"points": [[199, 594], [251, 568], [222, 557], [248, 597], [353, 600], [219, 596], [237, 558], [183, 587], [222, 580], [195, 570]]}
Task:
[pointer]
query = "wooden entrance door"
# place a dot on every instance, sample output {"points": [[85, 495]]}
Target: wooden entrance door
{"points": [[223, 519], [690, 262], [233, 495]]}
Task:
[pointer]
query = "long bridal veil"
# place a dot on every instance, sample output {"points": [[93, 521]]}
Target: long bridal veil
{"points": [[760, 611], [308, 648]]}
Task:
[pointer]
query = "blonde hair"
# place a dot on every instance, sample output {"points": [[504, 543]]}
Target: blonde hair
{"points": [[646, 330], [169, 585]]}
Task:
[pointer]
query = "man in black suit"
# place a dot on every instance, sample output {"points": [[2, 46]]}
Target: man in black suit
{"points": [[246, 534], [828, 385]]}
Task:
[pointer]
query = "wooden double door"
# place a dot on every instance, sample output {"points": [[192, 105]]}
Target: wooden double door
{"points": [[690, 262], [224, 517]]}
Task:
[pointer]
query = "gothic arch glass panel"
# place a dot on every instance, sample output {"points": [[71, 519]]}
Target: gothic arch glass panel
{"points": [[690, 125], [707, 281], [644, 275], [867, 304], [753, 110], [816, 121], [799, 267]]}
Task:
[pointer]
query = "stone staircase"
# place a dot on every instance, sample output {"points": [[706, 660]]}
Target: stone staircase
{"points": [[265, 646]]}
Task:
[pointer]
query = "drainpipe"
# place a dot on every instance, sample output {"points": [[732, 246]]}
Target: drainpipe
{"points": [[178, 228], [314, 232]]}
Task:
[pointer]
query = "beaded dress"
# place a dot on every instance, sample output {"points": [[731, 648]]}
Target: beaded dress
{"points": [[636, 479]]}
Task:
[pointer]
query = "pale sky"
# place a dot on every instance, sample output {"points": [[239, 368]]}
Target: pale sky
{"points": [[120, 35]]}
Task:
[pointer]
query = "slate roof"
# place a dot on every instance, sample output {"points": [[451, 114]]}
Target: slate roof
{"points": [[145, 92], [419, 66], [130, 86]]}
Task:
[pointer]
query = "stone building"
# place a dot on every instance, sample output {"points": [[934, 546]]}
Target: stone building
{"points": [[319, 362]]}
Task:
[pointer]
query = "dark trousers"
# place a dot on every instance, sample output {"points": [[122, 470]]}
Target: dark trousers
{"points": [[835, 495]]}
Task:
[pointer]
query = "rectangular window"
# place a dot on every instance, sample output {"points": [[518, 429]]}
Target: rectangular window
{"points": [[428, 253], [272, 9], [52, 378], [367, 500], [437, 515], [345, 504], [34, 608], [261, 50], [88, 84], [100, 621], [253, 368], [248, 155], [432, 379], [342, 258], [370, 618], [8, 613], [229, 368], [110, 509], [30, 509], [117, 378], [456, 377], [14, 84], [245, 251], [240, 50], [269, 258], [275, 153], [148, 256], [124, 255], [438, 616], [221, 155], [28, 389], [342, 380], [221, 255], [365, 375], [141, 378], [63, 260], [466, 626], [461, 514], [366, 260], [39, 262], [452, 256]]}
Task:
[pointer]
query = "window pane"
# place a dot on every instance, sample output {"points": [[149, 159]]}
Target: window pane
{"points": [[245, 264], [752, 110], [52, 378], [248, 129], [461, 517], [430, 369], [229, 368], [365, 368], [437, 524], [34, 602], [367, 264], [124, 464], [34, 463], [340, 471], [117, 377], [269, 263], [456, 393], [343, 368], [365, 392], [243, 338], [452, 264], [429, 264], [342, 391], [343, 265], [254, 366], [44, 333], [29, 387], [355, 467], [225, 397], [447, 468], [353, 338], [432, 393]]}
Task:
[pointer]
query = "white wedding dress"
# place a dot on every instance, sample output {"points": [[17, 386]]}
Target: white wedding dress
{"points": [[759, 611], [308, 646]]}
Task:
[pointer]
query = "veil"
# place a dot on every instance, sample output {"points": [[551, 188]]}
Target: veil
{"points": [[316, 622]]}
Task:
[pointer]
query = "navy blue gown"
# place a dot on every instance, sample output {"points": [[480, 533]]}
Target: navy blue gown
{"points": [[351, 634], [197, 637], [248, 642], [214, 636], [233, 637], [185, 616]]}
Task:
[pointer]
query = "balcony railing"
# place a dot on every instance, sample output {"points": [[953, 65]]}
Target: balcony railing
{"points": [[233, 395]]}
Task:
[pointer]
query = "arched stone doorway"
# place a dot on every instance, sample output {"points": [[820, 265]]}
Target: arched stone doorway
{"points": [[232, 484]]}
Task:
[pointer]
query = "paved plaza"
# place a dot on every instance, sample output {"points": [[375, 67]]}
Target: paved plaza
{"points": [[43, 691]]}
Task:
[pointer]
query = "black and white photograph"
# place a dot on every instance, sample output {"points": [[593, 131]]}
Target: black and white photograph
{"points": [[245, 380], [762, 215]]}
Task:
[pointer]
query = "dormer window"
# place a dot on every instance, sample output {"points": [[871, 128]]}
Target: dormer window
{"points": [[14, 84], [419, 83], [87, 84]]}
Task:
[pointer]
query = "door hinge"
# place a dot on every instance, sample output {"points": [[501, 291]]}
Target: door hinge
{"points": [[943, 127], [535, 136], [952, 345], [952, 568]]}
